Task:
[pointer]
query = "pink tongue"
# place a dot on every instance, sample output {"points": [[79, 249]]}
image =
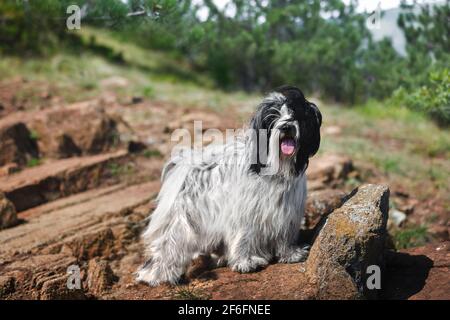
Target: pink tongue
{"points": [[287, 147]]}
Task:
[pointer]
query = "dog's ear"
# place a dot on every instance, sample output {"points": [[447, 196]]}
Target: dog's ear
{"points": [[314, 122], [309, 136]]}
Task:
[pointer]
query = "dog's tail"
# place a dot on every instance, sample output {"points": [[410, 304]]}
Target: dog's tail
{"points": [[173, 180]]}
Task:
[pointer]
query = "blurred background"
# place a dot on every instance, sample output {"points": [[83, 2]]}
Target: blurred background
{"points": [[88, 77]]}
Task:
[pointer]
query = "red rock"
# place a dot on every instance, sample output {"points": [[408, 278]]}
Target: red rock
{"points": [[320, 203], [69, 232], [8, 215], [16, 143], [8, 169], [80, 128], [327, 171], [351, 239], [100, 276], [77, 224], [47, 182], [96, 244], [7, 285]]}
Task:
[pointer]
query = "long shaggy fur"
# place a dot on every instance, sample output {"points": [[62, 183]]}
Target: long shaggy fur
{"points": [[228, 202]]}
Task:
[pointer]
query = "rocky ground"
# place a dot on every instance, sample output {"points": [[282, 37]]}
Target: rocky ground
{"points": [[77, 182]]}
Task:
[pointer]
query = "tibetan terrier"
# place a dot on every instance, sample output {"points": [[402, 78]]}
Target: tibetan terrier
{"points": [[242, 203]]}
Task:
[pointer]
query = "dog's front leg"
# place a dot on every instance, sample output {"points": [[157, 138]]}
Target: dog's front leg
{"points": [[244, 255]]}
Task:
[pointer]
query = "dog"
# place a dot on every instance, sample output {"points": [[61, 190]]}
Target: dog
{"points": [[242, 203]]}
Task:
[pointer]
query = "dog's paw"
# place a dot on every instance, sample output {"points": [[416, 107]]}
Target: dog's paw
{"points": [[249, 264], [148, 277], [154, 277], [295, 254]]}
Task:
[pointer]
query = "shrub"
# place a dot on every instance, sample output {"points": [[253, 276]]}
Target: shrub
{"points": [[432, 98]]}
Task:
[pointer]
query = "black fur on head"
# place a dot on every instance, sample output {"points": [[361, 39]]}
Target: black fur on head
{"points": [[287, 104]]}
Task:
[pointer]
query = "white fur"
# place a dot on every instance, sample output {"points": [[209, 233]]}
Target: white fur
{"points": [[211, 203], [202, 208]]}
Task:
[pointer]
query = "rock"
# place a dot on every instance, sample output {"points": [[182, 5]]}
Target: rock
{"points": [[53, 180], [332, 130], [439, 231], [327, 171], [115, 82], [57, 289], [8, 215], [39, 277], [352, 238], [79, 225], [66, 131], [320, 203], [73, 130], [16, 143], [8, 169], [100, 276], [136, 146], [97, 244], [396, 218], [7, 285], [71, 231], [418, 273], [136, 100], [67, 147]]}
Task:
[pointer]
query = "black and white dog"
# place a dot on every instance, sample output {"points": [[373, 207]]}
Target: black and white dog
{"points": [[241, 202]]}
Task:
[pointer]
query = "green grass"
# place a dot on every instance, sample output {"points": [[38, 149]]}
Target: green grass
{"points": [[411, 237], [34, 135], [152, 153], [33, 162], [78, 76], [116, 169], [401, 143], [189, 293]]}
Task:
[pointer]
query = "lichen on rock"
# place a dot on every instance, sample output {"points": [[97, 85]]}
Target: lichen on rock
{"points": [[351, 239]]}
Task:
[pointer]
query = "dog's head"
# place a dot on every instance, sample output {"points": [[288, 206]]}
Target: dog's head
{"points": [[286, 130]]}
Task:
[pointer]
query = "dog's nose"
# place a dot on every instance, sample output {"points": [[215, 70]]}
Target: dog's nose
{"points": [[288, 129]]}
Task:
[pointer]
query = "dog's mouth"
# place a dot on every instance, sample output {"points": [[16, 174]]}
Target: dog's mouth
{"points": [[287, 146]]}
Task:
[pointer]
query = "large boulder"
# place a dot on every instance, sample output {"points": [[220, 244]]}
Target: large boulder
{"points": [[78, 129], [351, 239]]}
